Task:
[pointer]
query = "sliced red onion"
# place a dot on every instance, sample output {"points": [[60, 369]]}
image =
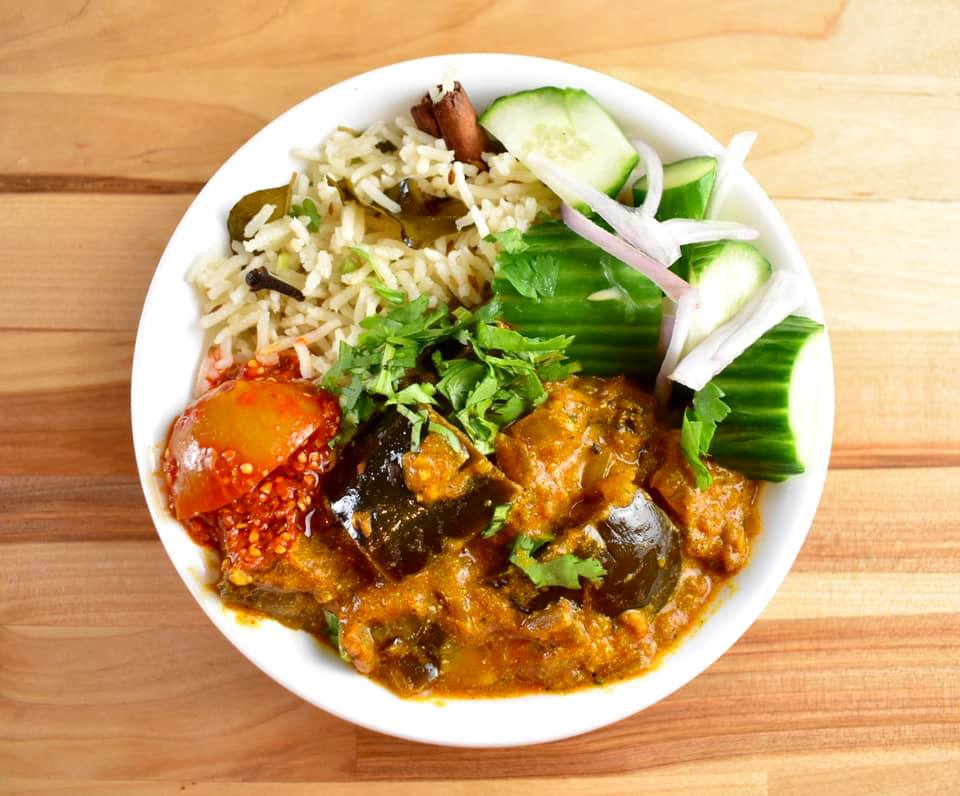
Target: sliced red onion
{"points": [[678, 337], [685, 230], [638, 229], [656, 272], [653, 171], [782, 294], [667, 316], [728, 169]]}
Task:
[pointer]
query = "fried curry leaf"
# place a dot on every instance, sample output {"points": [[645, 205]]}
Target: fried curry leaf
{"points": [[498, 520], [422, 218], [564, 570], [699, 426], [251, 204]]}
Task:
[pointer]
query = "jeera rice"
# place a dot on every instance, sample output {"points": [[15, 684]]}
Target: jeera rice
{"points": [[350, 267]]}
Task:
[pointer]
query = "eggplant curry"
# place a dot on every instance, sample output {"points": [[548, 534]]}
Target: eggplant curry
{"points": [[570, 554]]}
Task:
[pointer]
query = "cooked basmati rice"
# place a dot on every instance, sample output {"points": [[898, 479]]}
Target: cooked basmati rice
{"points": [[455, 268]]}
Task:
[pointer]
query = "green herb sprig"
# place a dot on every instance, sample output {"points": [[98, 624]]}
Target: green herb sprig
{"points": [[532, 277], [310, 210], [333, 633], [699, 426], [564, 570], [496, 376], [497, 520]]}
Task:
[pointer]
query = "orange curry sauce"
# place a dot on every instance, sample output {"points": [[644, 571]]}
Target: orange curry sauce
{"points": [[469, 623]]}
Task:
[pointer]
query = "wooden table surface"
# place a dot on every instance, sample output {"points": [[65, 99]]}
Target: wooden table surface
{"points": [[111, 118]]}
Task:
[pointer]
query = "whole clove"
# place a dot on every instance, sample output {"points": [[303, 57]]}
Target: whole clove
{"points": [[262, 279]]}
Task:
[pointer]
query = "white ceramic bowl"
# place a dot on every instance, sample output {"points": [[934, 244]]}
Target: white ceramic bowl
{"points": [[169, 344]]}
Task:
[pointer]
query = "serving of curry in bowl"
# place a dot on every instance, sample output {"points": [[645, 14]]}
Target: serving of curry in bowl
{"points": [[452, 453]]}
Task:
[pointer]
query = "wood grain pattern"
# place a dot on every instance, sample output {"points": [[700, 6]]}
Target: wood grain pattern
{"points": [[113, 115]]}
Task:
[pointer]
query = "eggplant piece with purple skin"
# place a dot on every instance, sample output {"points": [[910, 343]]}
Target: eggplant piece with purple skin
{"points": [[641, 553], [638, 546], [401, 530]]}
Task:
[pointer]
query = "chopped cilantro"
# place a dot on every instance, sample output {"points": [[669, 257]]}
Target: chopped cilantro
{"points": [[416, 393], [459, 379], [309, 209], [446, 434], [357, 258], [691, 433], [508, 340], [511, 240], [564, 570], [699, 426], [498, 520], [532, 277], [333, 633], [391, 295], [497, 378], [418, 418], [711, 410]]}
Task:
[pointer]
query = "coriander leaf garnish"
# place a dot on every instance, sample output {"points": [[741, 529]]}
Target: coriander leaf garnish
{"points": [[498, 376], [690, 435], [391, 295], [699, 426], [532, 277], [511, 240], [446, 434], [417, 418], [508, 340], [333, 633], [564, 570], [416, 393], [498, 520], [711, 410], [309, 209], [356, 259], [458, 378]]}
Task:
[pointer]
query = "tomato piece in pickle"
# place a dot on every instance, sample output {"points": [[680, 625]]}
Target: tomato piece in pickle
{"points": [[235, 435]]}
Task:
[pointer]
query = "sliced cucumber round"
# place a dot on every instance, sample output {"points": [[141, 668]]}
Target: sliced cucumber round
{"points": [[568, 127], [727, 273], [773, 391], [686, 188]]}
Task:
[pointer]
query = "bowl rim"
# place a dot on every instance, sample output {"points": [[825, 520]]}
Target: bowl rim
{"points": [[556, 725]]}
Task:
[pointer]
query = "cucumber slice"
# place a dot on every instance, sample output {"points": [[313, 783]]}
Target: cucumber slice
{"points": [[773, 391], [615, 332], [570, 128], [686, 188], [727, 273]]}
